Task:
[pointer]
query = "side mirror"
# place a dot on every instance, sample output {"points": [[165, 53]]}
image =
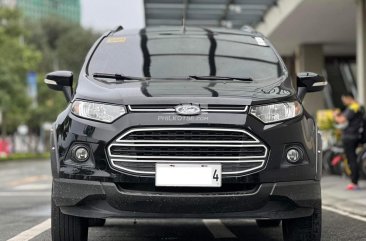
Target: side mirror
{"points": [[309, 82], [61, 81]]}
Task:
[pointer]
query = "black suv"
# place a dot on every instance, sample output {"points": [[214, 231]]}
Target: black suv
{"points": [[185, 123]]}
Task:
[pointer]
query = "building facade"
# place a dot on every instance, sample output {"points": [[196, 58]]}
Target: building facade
{"points": [[69, 10]]}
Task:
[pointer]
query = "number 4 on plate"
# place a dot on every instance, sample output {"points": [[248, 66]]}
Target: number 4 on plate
{"points": [[216, 176]]}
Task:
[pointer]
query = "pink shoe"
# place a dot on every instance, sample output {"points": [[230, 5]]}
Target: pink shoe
{"points": [[353, 187]]}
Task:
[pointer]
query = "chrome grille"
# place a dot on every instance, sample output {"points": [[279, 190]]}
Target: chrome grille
{"points": [[138, 150], [149, 167]]}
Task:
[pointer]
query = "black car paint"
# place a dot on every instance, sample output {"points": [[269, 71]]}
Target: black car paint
{"points": [[69, 130]]}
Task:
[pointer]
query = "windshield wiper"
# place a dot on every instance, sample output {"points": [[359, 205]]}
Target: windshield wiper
{"points": [[197, 77], [116, 76]]}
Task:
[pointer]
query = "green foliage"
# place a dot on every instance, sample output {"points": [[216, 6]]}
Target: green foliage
{"points": [[16, 59], [64, 46], [9, 24], [26, 156], [60, 41], [72, 48], [50, 104], [42, 46]]}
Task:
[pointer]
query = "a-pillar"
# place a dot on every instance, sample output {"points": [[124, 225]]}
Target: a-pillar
{"points": [[310, 58]]}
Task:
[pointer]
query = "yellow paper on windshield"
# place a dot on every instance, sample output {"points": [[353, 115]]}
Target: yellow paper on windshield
{"points": [[116, 39]]}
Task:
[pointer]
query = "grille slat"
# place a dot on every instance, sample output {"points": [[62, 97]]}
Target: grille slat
{"points": [[187, 151], [188, 135], [138, 150], [150, 167]]}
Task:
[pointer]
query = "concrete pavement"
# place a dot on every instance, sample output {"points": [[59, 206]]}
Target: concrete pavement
{"points": [[336, 196], [25, 210], [335, 228], [25, 192]]}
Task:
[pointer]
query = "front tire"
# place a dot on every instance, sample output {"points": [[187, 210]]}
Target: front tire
{"points": [[268, 223], [303, 229], [67, 228], [96, 222]]}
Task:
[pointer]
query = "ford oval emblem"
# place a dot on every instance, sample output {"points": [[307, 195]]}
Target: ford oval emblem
{"points": [[188, 109]]}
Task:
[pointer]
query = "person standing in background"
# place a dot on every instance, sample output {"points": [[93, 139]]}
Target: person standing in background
{"points": [[352, 120]]}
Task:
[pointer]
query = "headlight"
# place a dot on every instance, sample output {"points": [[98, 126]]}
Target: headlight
{"points": [[276, 112], [97, 111]]}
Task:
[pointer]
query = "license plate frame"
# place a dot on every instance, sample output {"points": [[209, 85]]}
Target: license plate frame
{"points": [[188, 175]]}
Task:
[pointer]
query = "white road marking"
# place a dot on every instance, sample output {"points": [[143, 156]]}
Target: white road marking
{"points": [[28, 180], [218, 229], [344, 213], [25, 194], [35, 186], [32, 232]]}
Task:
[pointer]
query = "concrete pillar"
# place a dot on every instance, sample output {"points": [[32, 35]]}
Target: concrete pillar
{"points": [[290, 64], [361, 50], [310, 58]]}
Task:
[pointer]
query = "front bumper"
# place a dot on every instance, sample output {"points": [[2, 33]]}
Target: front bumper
{"points": [[93, 199], [98, 136]]}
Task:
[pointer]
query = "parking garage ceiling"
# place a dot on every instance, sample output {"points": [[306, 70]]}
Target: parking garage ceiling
{"points": [[331, 23], [209, 13]]}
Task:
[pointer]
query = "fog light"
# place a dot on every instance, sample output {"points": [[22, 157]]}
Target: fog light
{"points": [[294, 155], [80, 153]]}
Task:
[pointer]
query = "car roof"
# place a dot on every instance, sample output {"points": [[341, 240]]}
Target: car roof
{"points": [[245, 36], [178, 30]]}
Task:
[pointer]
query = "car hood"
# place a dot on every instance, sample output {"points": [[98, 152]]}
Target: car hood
{"points": [[184, 91]]}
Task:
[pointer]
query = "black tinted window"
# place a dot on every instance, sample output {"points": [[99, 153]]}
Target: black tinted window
{"points": [[183, 55]]}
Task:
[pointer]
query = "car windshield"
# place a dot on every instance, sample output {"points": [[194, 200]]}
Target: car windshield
{"points": [[183, 55]]}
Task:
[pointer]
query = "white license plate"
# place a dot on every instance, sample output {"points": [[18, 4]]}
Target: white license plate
{"points": [[188, 175]]}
